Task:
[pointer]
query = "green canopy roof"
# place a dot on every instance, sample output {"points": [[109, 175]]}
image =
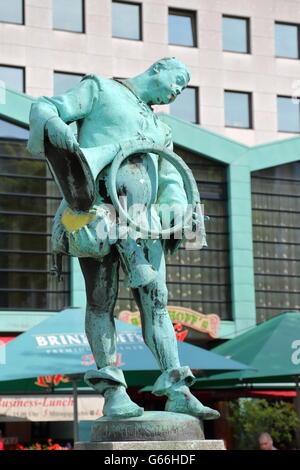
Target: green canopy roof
{"points": [[271, 348]]}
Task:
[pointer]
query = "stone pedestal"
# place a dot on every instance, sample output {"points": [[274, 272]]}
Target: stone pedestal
{"points": [[154, 430], [153, 445]]}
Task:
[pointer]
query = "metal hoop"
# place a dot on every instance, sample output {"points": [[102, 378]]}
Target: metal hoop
{"points": [[190, 186]]}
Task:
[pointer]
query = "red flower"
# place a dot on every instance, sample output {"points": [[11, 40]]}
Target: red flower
{"points": [[56, 447], [19, 447]]}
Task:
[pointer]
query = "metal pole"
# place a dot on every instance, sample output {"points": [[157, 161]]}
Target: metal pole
{"points": [[297, 403], [75, 410], [297, 396]]}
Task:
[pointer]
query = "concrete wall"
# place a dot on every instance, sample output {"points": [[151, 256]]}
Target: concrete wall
{"points": [[42, 50]]}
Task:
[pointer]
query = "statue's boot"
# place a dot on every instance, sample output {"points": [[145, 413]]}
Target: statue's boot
{"points": [[118, 404], [139, 271], [110, 382], [174, 383], [181, 400]]}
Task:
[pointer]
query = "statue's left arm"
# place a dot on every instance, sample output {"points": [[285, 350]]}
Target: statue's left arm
{"points": [[171, 193], [170, 185], [54, 114]]}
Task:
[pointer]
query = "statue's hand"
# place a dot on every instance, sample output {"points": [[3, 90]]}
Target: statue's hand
{"points": [[60, 135], [198, 221]]}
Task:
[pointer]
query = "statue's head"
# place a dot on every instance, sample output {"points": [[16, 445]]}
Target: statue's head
{"points": [[168, 77]]}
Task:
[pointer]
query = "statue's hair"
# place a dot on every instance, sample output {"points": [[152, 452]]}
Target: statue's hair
{"points": [[169, 63]]}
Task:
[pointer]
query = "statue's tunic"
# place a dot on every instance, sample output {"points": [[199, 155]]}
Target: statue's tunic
{"points": [[107, 113]]}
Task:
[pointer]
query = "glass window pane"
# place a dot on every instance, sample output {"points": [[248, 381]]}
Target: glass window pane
{"points": [[126, 20], [185, 105], [64, 81], [205, 272], [68, 15], [235, 34], [11, 11], [275, 209], [286, 37], [237, 109], [181, 29], [12, 202], [11, 131], [288, 115], [22, 167], [13, 77], [24, 242], [25, 232]]}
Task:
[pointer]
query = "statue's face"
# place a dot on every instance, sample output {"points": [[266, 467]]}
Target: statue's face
{"points": [[166, 85]]}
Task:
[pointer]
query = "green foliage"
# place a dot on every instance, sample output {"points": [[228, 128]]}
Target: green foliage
{"points": [[250, 417]]}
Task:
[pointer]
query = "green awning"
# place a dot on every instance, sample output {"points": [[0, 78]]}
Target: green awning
{"points": [[272, 349]]}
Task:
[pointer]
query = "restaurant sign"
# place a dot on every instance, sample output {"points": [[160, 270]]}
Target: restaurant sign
{"points": [[49, 407], [184, 316]]}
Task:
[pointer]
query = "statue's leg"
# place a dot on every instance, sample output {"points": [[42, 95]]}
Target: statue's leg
{"points": [[101, 280], [132, 254], [157, 327], [159, 335]]}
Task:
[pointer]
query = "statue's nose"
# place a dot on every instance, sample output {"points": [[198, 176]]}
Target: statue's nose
{"points": [[176, 89]]}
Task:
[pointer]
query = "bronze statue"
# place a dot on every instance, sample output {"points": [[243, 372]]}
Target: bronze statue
{"points": [[115, 118]]}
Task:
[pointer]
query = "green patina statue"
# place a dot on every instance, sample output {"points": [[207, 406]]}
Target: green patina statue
{"points": [[115, 121]]}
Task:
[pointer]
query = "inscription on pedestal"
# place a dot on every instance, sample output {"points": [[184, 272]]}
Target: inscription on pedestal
{"points": [[151, 426]]}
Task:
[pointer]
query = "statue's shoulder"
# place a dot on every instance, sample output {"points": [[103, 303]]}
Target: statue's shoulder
{"points": [[100, 81], [165, 126], [167, 129]]}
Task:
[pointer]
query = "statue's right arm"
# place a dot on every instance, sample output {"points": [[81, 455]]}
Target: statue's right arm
{"points": [[52, 115]]}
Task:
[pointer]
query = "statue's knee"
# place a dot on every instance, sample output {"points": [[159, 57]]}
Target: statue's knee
{"points": [[101, 301], [160, 297], [99, 308]]}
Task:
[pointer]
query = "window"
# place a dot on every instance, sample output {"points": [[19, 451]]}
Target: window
{"points": [[126, 20], [13, 77], [182, 28], [12, 11], [68, 15], [28, 201], [238, 109], [9, 130], [276, 244], [288, 113], [64, 81], [236, 36], [185, 105], [200, 280], [287, 41]]}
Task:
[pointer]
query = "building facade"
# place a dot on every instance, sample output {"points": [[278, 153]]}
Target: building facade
{"points": [[242, 55], [236, 125]]}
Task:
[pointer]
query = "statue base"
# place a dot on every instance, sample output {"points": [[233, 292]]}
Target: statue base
{"points": [[154, 430], [152, 445]]}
